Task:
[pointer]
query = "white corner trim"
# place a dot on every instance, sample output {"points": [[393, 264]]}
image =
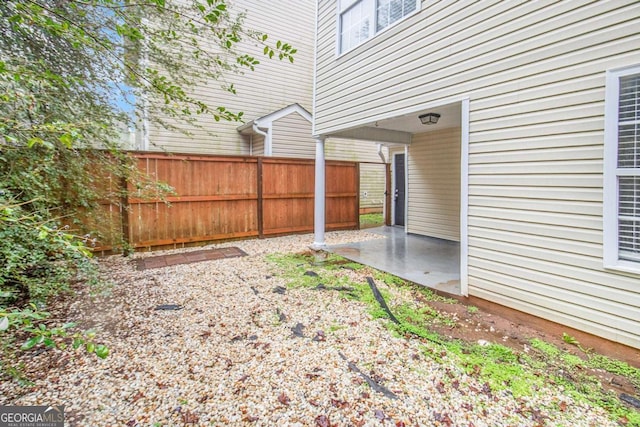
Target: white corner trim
{"points": [[464, 198], [314, 89], [406, 189], [610, 187]]}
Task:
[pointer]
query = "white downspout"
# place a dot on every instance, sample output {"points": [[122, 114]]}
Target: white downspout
{"points": [[381, 154], [266, 133]]}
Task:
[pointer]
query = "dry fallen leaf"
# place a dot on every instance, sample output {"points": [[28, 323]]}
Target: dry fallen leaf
{"points": [[139, 395], [323, 421], [284, 399], [341, 404], [189, 417]]}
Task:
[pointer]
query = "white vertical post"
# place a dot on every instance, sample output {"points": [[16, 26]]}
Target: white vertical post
{"points": [[319, 200]]}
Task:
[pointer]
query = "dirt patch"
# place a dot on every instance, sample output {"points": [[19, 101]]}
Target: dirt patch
{"points": [[482, 321]]}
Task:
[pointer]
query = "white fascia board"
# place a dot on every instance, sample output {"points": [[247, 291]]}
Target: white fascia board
{"points": [[277, 115], [266, 121]]}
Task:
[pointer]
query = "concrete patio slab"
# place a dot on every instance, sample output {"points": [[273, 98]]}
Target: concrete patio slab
{"points": [[427, 261]]}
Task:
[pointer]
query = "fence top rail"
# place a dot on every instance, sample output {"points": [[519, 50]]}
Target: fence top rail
{"points": [[197, 157], [230, 158]]}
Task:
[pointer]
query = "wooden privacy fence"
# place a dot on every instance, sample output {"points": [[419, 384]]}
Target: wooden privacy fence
{"points": [[222, 197]]}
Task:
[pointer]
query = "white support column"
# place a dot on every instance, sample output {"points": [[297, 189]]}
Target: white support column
{"points": [[319, 200]]}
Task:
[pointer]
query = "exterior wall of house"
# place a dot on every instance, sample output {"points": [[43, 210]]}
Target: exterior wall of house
{"points": [[273, 85], [434, 184], [372, 184], [258, 145], [292, 137], [534, 73]]}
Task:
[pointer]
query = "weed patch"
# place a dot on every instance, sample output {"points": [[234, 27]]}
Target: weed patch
{"points": [[500, 368]]}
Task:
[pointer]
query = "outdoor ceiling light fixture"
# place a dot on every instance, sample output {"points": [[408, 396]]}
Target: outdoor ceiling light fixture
{"points": [[429, 118]]}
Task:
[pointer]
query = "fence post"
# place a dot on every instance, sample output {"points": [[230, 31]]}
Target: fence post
{"points": [[124, 207], [260, 199]]}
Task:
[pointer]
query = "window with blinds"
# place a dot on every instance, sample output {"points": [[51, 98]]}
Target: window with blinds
{"points": [[628, 168], [360, 20], [389, 11]]}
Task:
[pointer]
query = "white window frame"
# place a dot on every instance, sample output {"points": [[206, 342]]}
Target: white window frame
{"points": [[611, 171], [371, 6]]}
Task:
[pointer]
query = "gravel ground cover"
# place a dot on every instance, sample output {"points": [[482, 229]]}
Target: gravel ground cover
{"points": [[238, 346]]}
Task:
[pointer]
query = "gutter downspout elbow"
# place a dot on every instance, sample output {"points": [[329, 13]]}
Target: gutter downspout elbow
{"points": [[381, 154], [266, 133]]}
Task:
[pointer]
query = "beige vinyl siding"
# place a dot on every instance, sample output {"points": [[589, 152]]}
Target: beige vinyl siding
{"points": [[292, 137], [258, 145], [273, 85], [507, 45], [352, 150], [372, 186], [534, 73], [434, 184]]}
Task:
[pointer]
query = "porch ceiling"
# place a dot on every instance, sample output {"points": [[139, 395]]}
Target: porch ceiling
{"points": [[398, 129]]}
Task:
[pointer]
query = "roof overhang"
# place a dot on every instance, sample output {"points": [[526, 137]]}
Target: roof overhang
{"points": [[266, 120]]}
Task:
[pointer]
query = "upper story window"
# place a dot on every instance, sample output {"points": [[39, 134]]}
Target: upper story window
{"points": [[622, 170], [362, 19]]}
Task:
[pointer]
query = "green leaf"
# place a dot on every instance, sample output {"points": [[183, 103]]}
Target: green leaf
{"points": [[77, 342], [102, 351], [49, 342], [33, 141], [31, 342], [91, 347]]}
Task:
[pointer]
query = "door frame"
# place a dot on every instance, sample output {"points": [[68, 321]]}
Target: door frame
{"points": [[406, 187]]}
